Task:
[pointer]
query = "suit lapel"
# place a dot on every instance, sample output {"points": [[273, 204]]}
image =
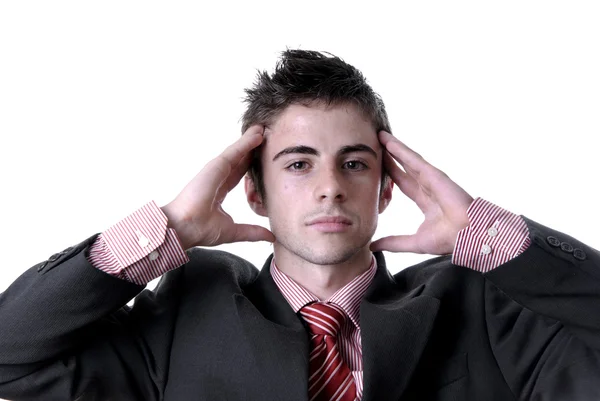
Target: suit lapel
{"points": [[276, 336], [395, 327]]}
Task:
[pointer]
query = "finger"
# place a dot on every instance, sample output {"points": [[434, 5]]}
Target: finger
{"points": [[409, 159], [396, 243], [407, 184], [431, 180], [252, 233], [235, 176], [223, 165], [244, 164], [251, 138]]}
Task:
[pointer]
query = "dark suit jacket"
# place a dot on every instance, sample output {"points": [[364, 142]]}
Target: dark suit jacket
{"points": [[218, 329]]}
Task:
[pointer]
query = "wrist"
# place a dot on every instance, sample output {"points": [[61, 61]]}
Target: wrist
{"points": [[176, 222]]}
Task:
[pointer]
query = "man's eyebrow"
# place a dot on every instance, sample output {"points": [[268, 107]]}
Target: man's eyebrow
{"points": [[306, 150], [359, 147]]}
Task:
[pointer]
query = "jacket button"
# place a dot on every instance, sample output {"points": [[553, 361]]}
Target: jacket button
{"points": [[579, 254], [553, 241], [54, 257], [41, 267], [565, 246]]}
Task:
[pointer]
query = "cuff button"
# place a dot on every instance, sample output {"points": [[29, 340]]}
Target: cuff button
{"points": [[486, 249]]}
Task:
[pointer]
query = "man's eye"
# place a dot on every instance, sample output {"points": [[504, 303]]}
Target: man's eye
{"points": [[354, 165], [296, 166]]}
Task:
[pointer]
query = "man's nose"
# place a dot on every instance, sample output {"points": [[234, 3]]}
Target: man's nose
{"points": [[330, 185]]}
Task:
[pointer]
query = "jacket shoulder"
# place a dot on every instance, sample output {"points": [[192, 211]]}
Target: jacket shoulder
{"points": [[219, 265], [426, 269], [437, 271]]}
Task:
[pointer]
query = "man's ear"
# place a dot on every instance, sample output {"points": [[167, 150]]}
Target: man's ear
{"points": [[386, 194], [253, 198]]}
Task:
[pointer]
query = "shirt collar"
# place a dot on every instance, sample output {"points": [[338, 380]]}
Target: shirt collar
{"points": [[348, 297]]}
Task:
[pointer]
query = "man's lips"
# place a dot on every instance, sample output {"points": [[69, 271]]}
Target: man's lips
{"points": [[330, 224], [330, 220]]}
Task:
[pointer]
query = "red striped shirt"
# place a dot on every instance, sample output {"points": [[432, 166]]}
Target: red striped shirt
{"points": [[141, 247], [493, 237], [348, 298]]}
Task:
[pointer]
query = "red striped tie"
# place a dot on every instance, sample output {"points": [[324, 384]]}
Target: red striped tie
{"points": [[330, 378]]}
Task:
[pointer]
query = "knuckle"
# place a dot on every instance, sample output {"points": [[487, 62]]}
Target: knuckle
{"points": [[438, 175]]}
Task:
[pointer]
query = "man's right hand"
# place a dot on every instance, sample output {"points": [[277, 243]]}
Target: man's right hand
{"points": [[196, 213]]}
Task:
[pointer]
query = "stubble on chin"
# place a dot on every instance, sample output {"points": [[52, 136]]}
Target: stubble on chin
{"points": [[317, 255]]}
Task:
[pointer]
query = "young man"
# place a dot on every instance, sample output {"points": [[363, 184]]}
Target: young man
{"points": [[509, 311]]}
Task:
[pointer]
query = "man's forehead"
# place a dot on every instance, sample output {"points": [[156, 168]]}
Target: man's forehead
{"points": [[335, 126], [296, 116]]}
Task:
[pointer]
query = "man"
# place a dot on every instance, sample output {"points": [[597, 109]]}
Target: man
{"points": [[510, 310]]}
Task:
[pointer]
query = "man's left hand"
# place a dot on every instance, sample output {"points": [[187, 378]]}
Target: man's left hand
{"points": [[441, 200]]}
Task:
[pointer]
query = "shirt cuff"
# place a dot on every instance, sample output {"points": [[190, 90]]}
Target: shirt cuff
{"points": [[139, 248], [493, 237]]}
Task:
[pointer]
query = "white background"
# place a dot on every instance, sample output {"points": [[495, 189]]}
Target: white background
{"points": [[105, 106]]}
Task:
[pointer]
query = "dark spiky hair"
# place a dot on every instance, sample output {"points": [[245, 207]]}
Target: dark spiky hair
{"points": [[308, 77]]}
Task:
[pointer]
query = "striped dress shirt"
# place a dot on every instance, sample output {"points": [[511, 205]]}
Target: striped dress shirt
{"points": [[348, 298]]}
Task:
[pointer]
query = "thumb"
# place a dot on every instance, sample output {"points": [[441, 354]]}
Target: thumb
{"points": [[252, 233], [395, 243]]}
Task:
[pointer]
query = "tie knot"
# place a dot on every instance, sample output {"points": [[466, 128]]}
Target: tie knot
{"points": [[323, 319]]}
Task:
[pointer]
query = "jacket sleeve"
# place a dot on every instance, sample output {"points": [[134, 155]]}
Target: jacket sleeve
{"points": [[543, 318], [67, 333]]}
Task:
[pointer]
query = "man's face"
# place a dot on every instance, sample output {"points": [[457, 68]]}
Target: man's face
{"points": [[322, 176]]}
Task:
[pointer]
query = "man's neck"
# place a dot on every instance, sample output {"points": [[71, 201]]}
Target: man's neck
{"points": [[321, 280]]}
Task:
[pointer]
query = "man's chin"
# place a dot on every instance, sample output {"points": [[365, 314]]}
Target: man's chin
{"points": [[330, 255], [330, 251]]}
